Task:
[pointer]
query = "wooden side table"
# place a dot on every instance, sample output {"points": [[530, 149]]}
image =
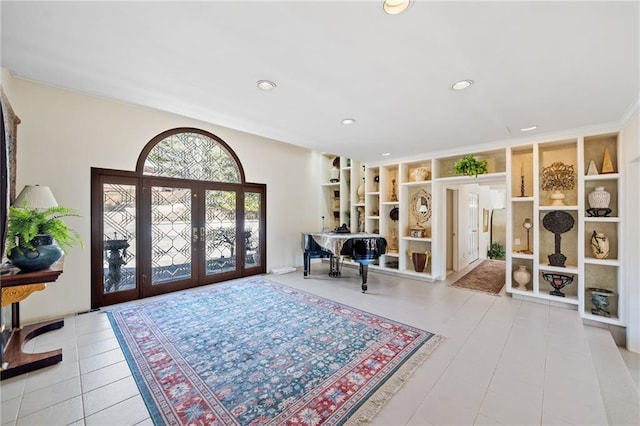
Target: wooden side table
{"points": [[17, 286]]}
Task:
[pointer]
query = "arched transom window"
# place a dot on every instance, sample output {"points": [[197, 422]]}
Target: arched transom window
{"points": [[193, 156]]}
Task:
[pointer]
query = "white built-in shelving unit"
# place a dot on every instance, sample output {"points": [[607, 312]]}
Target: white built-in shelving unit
{"points": [[393, 186]]}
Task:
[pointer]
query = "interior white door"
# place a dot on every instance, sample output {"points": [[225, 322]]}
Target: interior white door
{"points": [[474, 227], [452, 230]]}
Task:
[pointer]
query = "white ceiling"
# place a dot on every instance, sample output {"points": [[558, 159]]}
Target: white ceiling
{"points": [[558, 65]]}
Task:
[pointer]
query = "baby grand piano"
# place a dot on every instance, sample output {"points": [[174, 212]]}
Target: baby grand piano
{"points": [[362, 248]]}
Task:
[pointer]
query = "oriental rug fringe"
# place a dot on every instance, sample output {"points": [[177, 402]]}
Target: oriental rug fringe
{"points": [[254, 352]]}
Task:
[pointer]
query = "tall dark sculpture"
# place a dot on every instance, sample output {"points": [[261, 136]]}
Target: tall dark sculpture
{"points": [[558, 222], [117, 249]]}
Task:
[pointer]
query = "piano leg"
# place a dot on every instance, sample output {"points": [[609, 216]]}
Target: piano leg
{"points": [[334, 266], [307, 264], [364, 268]]}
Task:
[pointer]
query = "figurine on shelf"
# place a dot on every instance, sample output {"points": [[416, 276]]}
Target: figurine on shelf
{"points": [[334, 174], [360, 190], [607, 165], [394, 197], [522, 193], [360, 219], [558, 222], [592, 170], [393, 239]]}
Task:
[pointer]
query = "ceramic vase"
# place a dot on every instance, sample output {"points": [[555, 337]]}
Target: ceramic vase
{"points": [[419, 261], [599, 198], [419, 174], [360, 192], [43, 256], [557, 198], [600, 301], [522, 276], [334, 175], [599, 245]]}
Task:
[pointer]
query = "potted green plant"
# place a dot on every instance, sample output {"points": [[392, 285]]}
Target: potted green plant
{"points": [[496, 251], [470, 166], [31, 234]]}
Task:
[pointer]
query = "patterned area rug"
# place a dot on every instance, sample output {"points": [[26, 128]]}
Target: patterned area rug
{"points": [[487, 277], [253, 352]]}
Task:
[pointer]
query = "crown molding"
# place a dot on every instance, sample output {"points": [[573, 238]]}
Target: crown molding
{"points": [[631, 112], [575, 133]]}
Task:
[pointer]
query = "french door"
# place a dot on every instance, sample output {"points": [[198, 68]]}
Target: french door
{"points": [[154, 235]]}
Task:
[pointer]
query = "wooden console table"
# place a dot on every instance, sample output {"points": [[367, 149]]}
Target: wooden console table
{"points": [[17, 286]]}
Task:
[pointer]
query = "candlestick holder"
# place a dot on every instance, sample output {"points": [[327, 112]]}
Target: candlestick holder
{"points": [[522, 186]]}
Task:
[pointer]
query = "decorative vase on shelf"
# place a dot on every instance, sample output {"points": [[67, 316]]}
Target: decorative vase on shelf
{"points": [[419, 260], [334, 175], [599, 198], [44, 254], [557, 281], [599, 245], [557, 198], [600, 301], [360, 192], [556, 178], [522, 276], [419, 174]]}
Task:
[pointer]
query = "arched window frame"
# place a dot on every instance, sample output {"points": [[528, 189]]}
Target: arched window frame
{"points": [[142, 158]]}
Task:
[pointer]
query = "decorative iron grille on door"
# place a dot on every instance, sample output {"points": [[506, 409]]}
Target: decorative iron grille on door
{"points": [[119, 229], [185, 217]]}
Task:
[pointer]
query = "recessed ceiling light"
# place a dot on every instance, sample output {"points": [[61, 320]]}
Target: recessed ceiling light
{"points": [[394, 7], [265, 85], [385, 154], [348, 121], [527, 129], [462, 84]]}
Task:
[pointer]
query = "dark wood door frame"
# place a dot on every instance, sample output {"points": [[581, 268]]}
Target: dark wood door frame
{"points": [[143, 256]]}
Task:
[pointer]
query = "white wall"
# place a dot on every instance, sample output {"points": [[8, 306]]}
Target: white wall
{"points": [[63, 134], [630, 138]]}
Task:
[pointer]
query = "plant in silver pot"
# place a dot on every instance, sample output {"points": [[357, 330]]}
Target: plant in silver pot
{"points": [[32, 235]]}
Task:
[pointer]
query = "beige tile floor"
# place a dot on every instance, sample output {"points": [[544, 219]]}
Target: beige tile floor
{"points": [[505, 361]]}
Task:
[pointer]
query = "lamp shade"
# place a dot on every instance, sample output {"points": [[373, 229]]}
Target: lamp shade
{"points": [[35, 197], [498, 199]]}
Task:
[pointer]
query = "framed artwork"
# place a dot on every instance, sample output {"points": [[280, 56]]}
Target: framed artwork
{"points": [[10, 121], [4, 182], [485, 220]]}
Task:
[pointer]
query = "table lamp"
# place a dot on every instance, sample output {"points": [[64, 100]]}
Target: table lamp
{"points": [[527, 224], [35, 197]]}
